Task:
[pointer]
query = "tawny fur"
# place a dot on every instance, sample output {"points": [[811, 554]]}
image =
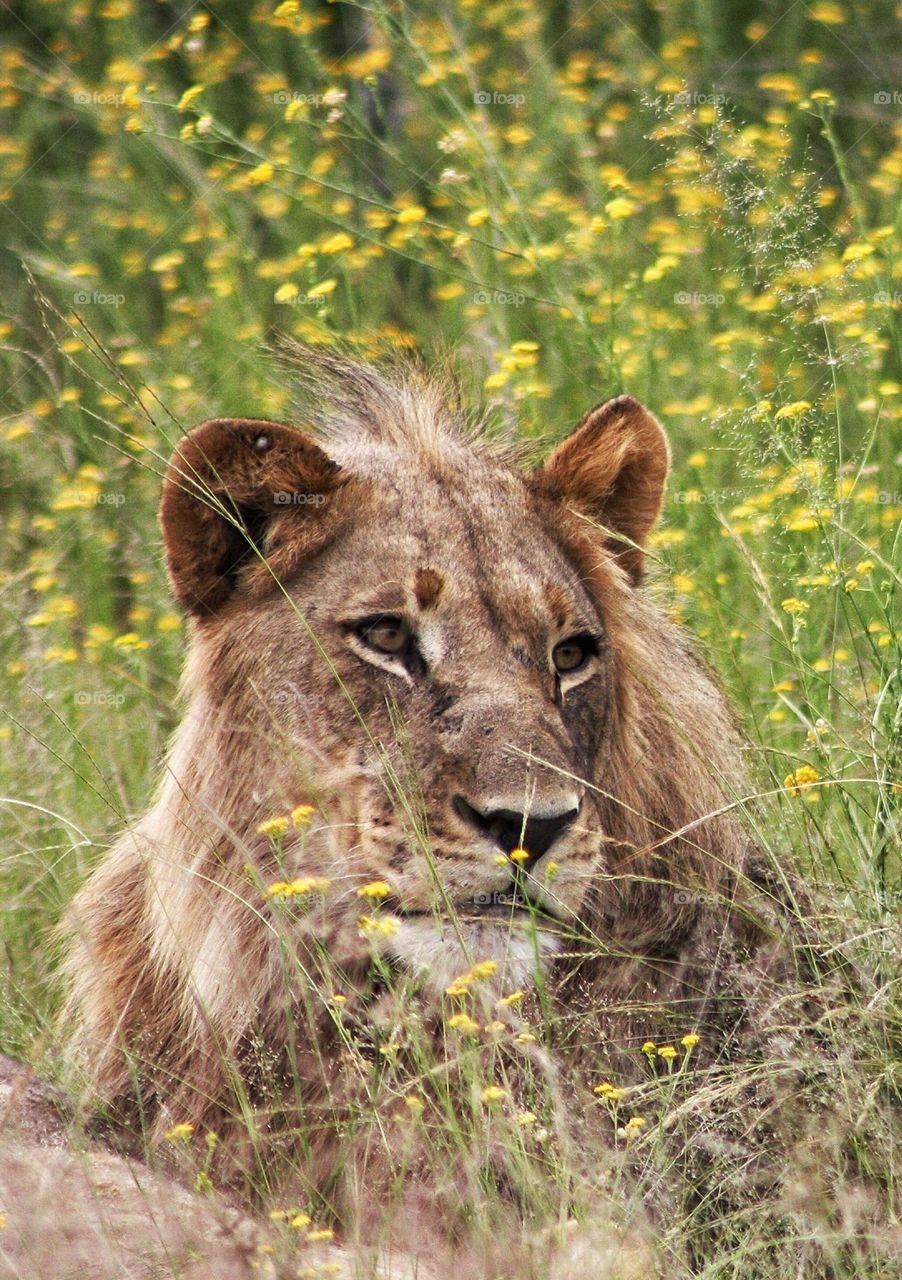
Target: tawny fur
{"points": [[196, 996]]}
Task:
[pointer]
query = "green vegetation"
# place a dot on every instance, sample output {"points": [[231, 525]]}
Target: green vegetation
{"points": [[696, 203]]}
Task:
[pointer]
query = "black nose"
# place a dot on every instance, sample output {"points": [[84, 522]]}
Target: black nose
{"points": [[512, 830]]}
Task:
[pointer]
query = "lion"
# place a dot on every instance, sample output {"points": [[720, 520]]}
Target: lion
{"points": [[444, 765]]}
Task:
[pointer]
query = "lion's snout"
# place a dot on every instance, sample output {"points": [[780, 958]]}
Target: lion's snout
{"points": [[512, 827]]}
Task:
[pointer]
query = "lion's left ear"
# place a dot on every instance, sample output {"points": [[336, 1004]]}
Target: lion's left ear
{"points": [[613, 469]]}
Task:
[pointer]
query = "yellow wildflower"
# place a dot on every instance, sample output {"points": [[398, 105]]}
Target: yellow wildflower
{"points": [[179, 1132], [260, 175], [375, 891], [189, 96], [273, 827], [464, 1023], [793, 410], [803, 777], [302, 815], [493, 1094], [370, 926]]}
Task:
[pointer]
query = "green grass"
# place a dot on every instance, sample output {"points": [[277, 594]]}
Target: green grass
{"points": [[729, 257]]}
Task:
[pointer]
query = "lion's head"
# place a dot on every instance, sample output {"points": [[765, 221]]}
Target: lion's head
{"points": [[448, 659]]}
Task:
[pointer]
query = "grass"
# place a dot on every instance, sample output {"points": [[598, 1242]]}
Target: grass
{"points": [[698, 205]]}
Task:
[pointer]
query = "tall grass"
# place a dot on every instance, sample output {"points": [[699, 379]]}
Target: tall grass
{"points": [[697, 203]]}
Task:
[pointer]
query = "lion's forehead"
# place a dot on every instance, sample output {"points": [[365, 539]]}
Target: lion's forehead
{"points": [[475, 532]]}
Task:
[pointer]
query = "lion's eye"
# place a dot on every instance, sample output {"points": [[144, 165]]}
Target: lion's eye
{"points": [[387, 635], [572, 654]]}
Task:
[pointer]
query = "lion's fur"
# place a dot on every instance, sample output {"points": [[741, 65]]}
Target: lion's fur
{"points": [[192, 996]]}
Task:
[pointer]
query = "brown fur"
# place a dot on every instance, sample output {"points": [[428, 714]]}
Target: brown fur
{"points": [[193, 995]]}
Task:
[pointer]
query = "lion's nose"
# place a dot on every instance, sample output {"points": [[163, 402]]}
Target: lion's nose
{"points": [[511, 830]]}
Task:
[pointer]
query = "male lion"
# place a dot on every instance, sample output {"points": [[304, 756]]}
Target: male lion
{"points": [[514, 856]]}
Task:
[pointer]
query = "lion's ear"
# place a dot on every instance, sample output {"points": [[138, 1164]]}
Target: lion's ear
{"points": [[613, 469], [237, 490]]}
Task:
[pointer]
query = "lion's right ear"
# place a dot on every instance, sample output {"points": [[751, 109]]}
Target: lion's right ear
{"points": [[237, 490], [613, 469]]}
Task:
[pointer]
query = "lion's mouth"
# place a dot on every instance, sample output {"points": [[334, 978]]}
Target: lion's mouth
{"points": [[503, 907]]}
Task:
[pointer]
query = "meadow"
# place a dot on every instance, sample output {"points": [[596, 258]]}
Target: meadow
{"points": [[695, 203]]}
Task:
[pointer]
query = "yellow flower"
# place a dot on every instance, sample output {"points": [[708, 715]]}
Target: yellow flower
{"points": [[697, 459], [302, 815], [300, 1220], [649, 1047], [179, 1133], [619, 208], [609, 1091], [371, 926], [190, 95], [515, 997], [324, 287], [324, 1233], [259, 176], [690, 1041], [794, 606], [519, 855], [414, 1104], [416, 213], [526, 1118], [484, 969], [635, 1123], [337, 243], [445, 292], [273, 827], [375, 891], [464, 1023], [803, 777], [793, 410], [298, 888], [493, 1094], [668, 1053]]}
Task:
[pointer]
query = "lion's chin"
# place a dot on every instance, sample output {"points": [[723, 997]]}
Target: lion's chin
{"points": [[436, 952]]}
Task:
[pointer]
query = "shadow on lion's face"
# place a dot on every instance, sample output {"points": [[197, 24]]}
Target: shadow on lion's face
{"points": [[404, 629]]}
